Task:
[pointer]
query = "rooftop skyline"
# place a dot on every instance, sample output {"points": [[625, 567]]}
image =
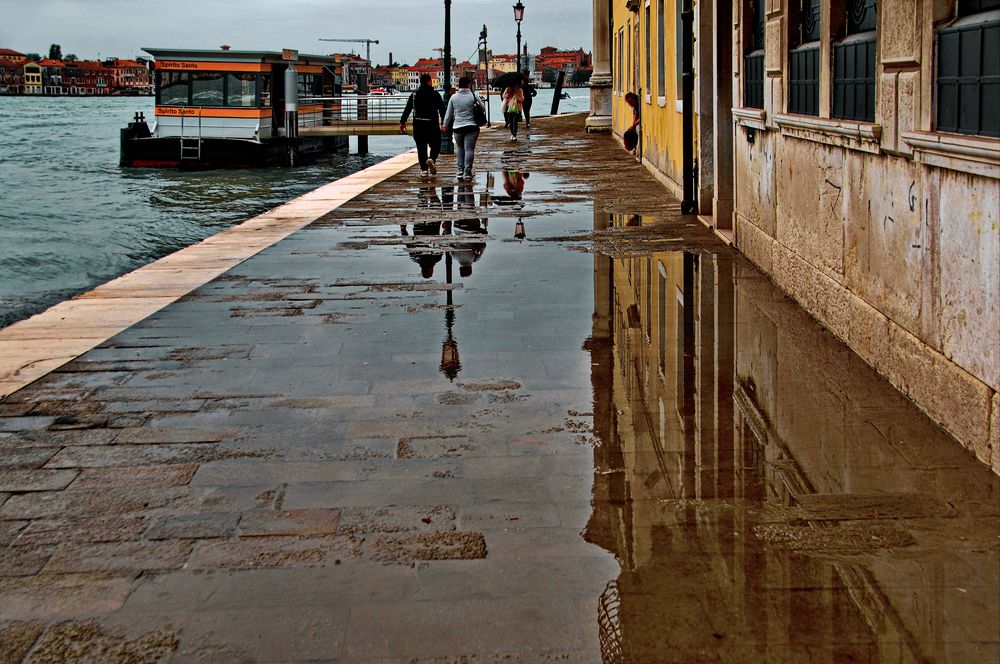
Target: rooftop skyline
{"points": [[409, 29]]}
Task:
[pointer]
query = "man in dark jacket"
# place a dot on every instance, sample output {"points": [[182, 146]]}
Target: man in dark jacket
{"points": [[428, 114], [529, 92]]}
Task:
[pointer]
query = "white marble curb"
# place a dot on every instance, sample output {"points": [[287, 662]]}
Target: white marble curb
{"points": [[32, 348]]}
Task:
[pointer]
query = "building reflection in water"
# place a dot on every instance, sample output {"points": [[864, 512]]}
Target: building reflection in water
{"points": [[768, 497]]}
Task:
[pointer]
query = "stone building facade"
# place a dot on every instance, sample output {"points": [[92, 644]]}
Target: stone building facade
{"points": [[850, 149], [871, 193]]}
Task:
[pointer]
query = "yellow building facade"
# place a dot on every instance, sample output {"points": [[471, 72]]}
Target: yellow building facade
{"points": [[645, 59], [647, 40], [32, 78]]}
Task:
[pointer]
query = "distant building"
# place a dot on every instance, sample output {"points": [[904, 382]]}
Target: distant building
{"points": [[129, 75], [550, 58], [10, 55], [354, 66], [503, 63], [11, 76], [32, 78], [52, 77]]}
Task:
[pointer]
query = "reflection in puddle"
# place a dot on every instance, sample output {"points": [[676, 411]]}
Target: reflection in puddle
{"points": [[767, 496]]}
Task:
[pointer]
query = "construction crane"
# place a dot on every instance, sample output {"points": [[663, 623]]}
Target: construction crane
{"points": [[367, 42]]}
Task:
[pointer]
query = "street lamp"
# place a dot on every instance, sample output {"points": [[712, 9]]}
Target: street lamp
{"points": [[447, 147], [519, 16]]}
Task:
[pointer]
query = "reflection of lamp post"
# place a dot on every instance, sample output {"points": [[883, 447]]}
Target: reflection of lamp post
{"points": [[447, 147], [519, 16], [451, 364]]}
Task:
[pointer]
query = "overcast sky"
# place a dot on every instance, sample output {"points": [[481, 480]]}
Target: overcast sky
{"points": [[408, 28]]}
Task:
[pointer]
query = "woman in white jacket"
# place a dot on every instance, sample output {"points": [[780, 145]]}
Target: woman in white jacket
{"points": [[461, 118]]}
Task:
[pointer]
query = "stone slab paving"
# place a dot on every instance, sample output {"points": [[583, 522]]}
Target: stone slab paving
{"points": [[453, 424]]}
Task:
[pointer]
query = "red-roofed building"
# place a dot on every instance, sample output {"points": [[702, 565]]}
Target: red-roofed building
{"points": [[86, 78], [129, 76], [10, 55], [52, 76], [12, 76], [550, 58]]}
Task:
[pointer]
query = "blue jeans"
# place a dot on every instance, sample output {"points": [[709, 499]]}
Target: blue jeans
{"points": [[465, 149]]}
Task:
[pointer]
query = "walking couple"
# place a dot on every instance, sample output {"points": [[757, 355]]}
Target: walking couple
{"points": [[431, 117]]}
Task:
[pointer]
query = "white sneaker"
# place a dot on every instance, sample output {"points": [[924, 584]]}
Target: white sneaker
{"points": [[432, 167], [423, 174]]}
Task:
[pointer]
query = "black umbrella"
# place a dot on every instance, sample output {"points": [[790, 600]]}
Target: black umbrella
{"points": [[506, 80]]}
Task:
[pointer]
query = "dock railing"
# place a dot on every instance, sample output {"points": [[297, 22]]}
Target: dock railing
{"points": [[352, 111]]}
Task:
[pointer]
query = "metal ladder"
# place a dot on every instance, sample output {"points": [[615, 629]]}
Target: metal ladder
{"points": [[191, 146]]}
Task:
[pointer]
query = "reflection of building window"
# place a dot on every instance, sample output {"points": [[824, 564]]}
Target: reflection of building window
{"points": [[173, 88], [803, 60], [753, 60], [968, 70], [241, 89], [854, 64], [208, 88]]}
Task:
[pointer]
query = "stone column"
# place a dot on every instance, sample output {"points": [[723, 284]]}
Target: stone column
{"points": [[600, 81]]}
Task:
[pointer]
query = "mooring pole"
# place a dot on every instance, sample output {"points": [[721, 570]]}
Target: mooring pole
{"points": [[291, 111], [557, 97], [362, 88]]}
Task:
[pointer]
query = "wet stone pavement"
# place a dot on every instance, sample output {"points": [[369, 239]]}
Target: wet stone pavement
{"points": [[541, 417]]}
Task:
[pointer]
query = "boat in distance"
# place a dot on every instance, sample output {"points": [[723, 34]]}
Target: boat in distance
{"points": [[234, 109]]}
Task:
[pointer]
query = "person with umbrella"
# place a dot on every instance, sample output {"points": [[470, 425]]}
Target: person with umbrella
{"points": [[513, 101]]}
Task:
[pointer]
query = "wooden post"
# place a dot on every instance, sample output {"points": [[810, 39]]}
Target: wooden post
{"points": [[362, 89], [557, 97]]}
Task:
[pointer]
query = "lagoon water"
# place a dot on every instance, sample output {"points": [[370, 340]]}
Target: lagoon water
{"points": [[71, 218]]}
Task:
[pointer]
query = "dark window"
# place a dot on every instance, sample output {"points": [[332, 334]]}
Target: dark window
{"points": [[803, 80], [966, 7], [753, 61], [968, 76], [310, 85], [208, 88], [854, 64], [173, 88], [803, 61]]}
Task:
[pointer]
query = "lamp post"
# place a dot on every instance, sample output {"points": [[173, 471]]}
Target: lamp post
{"points": [[447, 147], [486, 63], [519, 16]]}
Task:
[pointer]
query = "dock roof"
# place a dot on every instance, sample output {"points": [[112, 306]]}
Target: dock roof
{"points": [[233, 55]]}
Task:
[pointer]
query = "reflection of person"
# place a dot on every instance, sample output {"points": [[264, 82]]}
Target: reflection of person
{"points": [[529, 92], [631, 136], [461, 117], [425, 255], [428, 111], [464, 251], [513, 183], [513, 100]]}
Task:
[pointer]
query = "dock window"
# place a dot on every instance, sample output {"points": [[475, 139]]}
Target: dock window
{"points": [[174, 88], [803, 60], [241, 89], [208, 88], [310, 85], [854, 64], [968, 71]]}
